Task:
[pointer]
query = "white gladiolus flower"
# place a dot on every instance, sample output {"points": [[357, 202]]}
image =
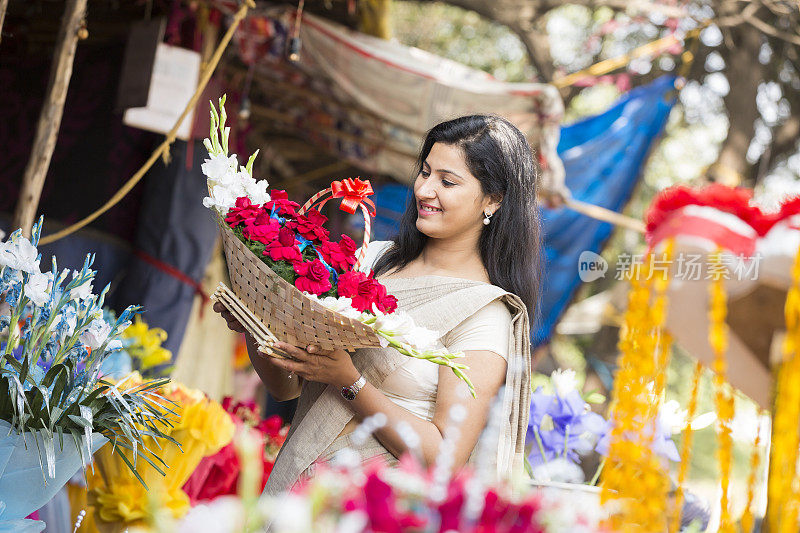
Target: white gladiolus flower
{"points": [[81, 292], [220, 198], [68, 316], [38, 288], [218, 166], [564, 382], [96, 334], [19, 254]]}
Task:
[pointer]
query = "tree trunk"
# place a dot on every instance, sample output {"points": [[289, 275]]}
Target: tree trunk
{"points": [[744, 73], [50, 118]]}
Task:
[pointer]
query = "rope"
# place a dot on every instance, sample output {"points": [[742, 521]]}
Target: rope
{"points": [[163, 149]]}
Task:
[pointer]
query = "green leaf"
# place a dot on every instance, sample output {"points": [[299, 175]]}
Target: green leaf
{"points": [[594, 397]]}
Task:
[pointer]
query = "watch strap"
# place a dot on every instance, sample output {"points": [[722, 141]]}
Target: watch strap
{"points": [[349, 393]]}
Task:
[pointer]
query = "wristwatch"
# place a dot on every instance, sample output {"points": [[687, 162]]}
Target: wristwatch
{"points": [[349, 393]]}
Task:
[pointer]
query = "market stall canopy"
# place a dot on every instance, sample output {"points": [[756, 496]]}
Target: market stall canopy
{"points": [[370, 101], [758, 250]]}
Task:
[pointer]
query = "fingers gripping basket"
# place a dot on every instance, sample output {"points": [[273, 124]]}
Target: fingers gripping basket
{"points": [[272, 309]]}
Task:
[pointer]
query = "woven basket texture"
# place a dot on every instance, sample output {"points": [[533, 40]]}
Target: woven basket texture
{"points": [[289, 314]]}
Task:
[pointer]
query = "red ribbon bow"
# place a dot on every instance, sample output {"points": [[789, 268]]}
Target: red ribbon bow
{"points": [[353, 192]]}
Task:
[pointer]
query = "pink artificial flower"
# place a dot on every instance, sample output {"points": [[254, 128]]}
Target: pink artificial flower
{"points": [[313, 277], [284, 248]]}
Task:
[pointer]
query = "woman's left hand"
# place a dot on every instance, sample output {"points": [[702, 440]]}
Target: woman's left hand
{"points": [[333, 367]]}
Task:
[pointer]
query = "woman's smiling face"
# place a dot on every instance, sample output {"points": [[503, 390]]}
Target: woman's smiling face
{"points": [[450, 201]]}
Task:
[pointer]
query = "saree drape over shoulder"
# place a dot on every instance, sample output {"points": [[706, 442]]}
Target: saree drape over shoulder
{"points": [[438, 303]]}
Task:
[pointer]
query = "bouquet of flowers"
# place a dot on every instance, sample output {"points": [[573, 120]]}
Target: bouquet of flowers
{"points": [[53, 341], [121, 497], [290, 281], [218, 475]]}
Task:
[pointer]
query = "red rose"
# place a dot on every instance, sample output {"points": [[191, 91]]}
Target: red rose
{"points": [[341, 255], [243, 211], [265, 232], [313, 277], [283, 206], [284, 248], [309, 225]]}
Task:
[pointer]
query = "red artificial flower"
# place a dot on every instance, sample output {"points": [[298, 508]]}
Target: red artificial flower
{"points": [[450, 508], [242, 212], [365, 290], [262, 229], [341, 255], [387, 304], [313, 277], [284, 248], [382, 509], [309, 225], [283, 206]]}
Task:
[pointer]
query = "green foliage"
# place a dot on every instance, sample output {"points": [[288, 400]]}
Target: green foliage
{"points": [[462, 36]]}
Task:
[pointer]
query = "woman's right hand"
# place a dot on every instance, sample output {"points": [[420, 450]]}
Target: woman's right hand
{"points": [[233, 323], [282, 385]]}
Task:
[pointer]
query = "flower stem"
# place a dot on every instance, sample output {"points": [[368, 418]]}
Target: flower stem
{"points": [[596, 475], [541, 445]]}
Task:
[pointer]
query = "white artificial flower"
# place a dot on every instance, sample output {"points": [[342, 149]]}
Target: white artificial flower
{"points": [[83, 291], [422, 338], [19, 254], [220, 198], [96, 334], [218, 166], [559, 469], [341, 305], [68, 316], [255, 190], [221, 515], [38, 288], [564, 382], [672, 416]]}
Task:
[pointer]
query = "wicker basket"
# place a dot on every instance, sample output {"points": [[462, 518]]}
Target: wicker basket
{"points": [[282, 310]]}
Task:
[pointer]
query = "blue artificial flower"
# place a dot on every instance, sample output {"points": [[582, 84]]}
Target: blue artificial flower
{"points": [[561, 425]]}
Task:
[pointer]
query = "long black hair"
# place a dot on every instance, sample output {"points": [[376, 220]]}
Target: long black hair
{"points": [[498, 154]]}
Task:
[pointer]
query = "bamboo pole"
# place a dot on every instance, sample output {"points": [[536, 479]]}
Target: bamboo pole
{"points": [[3, 6], [50, 118]]}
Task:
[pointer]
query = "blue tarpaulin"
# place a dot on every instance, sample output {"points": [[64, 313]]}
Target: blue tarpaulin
{"points": [[603, 156]]}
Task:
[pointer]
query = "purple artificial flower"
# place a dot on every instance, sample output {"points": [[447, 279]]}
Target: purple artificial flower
{"points": [[662, 444], [561, 425]]}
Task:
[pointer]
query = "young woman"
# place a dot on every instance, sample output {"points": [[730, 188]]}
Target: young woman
{"points": [[464, 263]]}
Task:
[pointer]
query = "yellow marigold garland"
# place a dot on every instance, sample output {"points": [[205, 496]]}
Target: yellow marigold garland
{"points": [[634, 481], [781, 513], [748, 520], [718, 338], [686, 448]]}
